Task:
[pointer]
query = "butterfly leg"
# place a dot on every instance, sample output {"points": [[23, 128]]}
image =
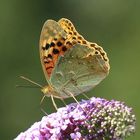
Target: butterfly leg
{"points": [[41, 104], [44, 111], [70, 94], [42, 99], [73, 81], [85, 96], [54, 103], [82, 92], [63, 101]]}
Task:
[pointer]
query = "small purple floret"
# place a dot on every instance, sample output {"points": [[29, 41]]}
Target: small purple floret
{"points": [[96, 119]]}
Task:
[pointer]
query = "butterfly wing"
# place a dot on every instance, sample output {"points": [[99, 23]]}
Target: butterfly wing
{"points": [[75, 38], [51, 34], [55, 39], [69, 28], [78, 71]]}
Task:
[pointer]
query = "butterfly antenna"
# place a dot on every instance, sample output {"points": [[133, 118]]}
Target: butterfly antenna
{"points": [[26, 86], [29, 80]]}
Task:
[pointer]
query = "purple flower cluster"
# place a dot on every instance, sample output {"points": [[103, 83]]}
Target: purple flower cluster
{"points": [[94, 119]]}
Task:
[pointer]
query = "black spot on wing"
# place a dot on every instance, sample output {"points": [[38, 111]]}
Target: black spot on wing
{"points": [[55, 51]]}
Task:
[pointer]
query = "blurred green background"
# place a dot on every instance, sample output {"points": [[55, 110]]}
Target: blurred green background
{"points": [[115, 25]]}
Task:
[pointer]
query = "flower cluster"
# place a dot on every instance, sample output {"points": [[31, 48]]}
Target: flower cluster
{"points": [[94, 119]]}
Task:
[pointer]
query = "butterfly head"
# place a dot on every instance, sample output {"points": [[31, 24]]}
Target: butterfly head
{"points": [[46, 90], [49, 90]]}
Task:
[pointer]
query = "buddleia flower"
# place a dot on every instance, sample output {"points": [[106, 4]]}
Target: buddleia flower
{"points": [[93, 119]]}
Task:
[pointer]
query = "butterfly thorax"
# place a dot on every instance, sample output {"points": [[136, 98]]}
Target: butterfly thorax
{"points": [[49, 90]]}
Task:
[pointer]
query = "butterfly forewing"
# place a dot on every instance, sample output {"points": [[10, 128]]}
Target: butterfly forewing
{"points": [[50, 35], [56, 38]]}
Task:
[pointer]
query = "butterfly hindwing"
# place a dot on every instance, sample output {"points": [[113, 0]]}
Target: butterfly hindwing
{"points": [[79, 70]]}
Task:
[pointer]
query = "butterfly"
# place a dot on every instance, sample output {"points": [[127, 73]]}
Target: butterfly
{"points": [[71, 64]]}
